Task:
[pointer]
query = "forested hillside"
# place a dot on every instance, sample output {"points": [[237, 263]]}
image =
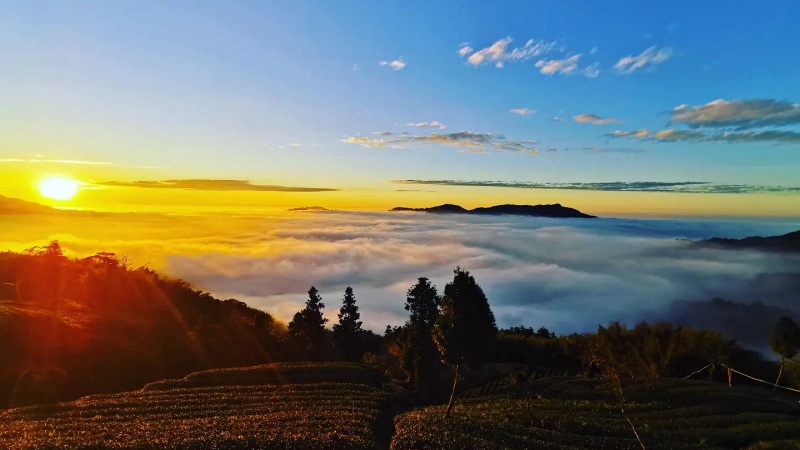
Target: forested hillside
{"points": [[94, 325]]}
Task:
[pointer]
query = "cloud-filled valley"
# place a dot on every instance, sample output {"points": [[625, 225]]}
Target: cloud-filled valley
{"points": [[567, 275]]}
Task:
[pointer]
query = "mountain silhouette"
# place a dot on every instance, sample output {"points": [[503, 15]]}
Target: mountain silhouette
{"points": [[555, 210], [789, 242], [15, 206]]}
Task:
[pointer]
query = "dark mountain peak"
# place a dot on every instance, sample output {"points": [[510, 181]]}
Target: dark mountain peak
{"points": [[447, 208], [554, 210], [789, 242]]}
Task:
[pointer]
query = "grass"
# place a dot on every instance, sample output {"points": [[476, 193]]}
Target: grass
{"points": [[268, 416], [571, 413]]}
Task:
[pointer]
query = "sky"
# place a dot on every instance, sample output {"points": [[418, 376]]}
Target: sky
{"points": [[610, 108]]}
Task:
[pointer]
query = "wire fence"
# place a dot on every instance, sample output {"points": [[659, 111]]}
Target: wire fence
{"points": [[732, 370]]}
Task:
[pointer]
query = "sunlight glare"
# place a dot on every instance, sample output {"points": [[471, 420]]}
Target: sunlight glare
{"points": [[58, 188]]}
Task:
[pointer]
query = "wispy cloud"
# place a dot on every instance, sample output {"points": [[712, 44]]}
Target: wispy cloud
{"points": [[397, 64], [594, 119], [211, 185], [637, 133], [674, 135], [741, 114], [431, 124], [592, 71], [688, 187], [563, 66], [523, 111], [469, 141], [499, 52], [55, 161], [648, 59]]}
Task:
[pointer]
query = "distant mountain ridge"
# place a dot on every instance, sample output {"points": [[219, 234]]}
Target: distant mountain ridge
{"points": [[554, 210], [789, 242]]}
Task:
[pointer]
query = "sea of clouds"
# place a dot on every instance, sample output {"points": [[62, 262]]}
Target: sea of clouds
{"points": [[566, 274], [569, 275]]}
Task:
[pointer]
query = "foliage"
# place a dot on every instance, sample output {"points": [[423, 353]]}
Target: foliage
{"points": [[527, 332], [785, 341], [114, 328], [465, 331], [308, 327], [422, 301], [348, 334], [647, 352]]}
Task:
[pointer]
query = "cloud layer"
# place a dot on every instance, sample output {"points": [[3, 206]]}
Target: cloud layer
{"points": [[649, 59], [468, 141], [212, 185], [500, 53], [739, 114], [594, 119], [735, 121], [688, 187], [733, 137], [564, 274], [431, 124]]}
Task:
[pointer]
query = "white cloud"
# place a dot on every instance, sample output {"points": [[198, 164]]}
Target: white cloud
{"points": [[563, 66], [742, 114], [499, 53], [469, 140], [594, 119], [636, 134], [397, 64], [592, 71], [431, 124], [523, 111], [556, 119], [649, 58]]}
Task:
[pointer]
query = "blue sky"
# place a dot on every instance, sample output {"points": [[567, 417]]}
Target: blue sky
{"points": [[223, 89]]}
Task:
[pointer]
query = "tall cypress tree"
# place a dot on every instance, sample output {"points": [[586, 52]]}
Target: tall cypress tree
{"points": [[420, 356], [308, 326], [347, 333], [465, 331]]}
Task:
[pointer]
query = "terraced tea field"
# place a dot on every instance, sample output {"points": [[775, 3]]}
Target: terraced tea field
{"points": [[571, 413], [342, 406], [297, 415]]}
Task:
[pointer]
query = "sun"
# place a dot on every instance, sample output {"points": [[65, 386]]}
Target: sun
{"points": [[58, 188]]}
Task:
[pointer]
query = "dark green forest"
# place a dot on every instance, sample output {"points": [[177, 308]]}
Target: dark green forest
{"points": [[76, 326]]}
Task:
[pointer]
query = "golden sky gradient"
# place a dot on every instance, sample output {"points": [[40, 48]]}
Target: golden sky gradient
{"points": [[20, 180]]}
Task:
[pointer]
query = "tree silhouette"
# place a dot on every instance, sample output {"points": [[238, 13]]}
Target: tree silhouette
{"points": [[465, 331], [347, 333], [423, 301], [419, 355], [785, 341], [308, 326]]}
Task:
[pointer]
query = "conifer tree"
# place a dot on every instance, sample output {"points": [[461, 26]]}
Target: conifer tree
{"points": [[347, 333], [308, 326], [420, 355], [465, 331]]}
